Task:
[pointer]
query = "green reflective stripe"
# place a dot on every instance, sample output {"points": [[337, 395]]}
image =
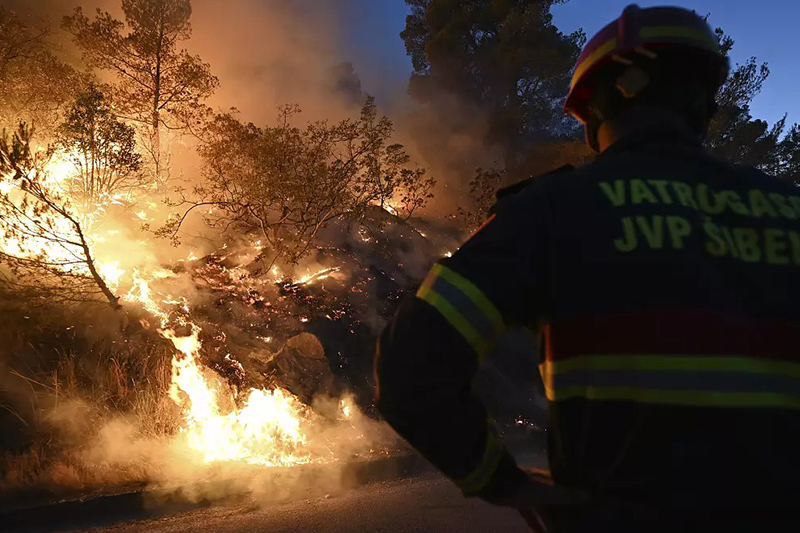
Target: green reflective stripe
{"points": [[692, 34], [672, 362], [689, 398], [474, 294], [455, 319], [593, 58], [480, 477]]}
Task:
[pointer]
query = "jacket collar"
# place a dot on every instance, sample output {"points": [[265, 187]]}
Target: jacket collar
{"points": [[662, 136]]}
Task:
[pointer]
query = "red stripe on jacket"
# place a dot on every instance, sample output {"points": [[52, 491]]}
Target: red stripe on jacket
{"points": [[673, 332]]}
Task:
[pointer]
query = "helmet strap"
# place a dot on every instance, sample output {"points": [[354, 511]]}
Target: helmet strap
{"points": [[592, 128]]}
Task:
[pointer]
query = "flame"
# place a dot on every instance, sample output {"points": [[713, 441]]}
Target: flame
{"points": [[317, 276], [111, 273], [267, 430], [269, 427]]}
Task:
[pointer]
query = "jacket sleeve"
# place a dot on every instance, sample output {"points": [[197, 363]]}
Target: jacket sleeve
{"points": [[428, 356]]}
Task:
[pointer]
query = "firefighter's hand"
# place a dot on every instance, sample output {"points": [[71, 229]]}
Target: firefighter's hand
{"points": [[539, 491]]}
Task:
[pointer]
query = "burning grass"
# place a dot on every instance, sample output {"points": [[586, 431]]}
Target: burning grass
{"points": [[199, 376], [134, 413]]}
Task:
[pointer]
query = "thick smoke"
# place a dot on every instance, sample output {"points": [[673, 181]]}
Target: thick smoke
{"points": [[324, 56], [266, 53]]}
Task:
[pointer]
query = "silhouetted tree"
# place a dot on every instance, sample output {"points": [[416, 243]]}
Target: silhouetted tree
{"points": [[101, 148], [160, 85], [45, 251], [35, 86], [738, 137], [506, 58]]}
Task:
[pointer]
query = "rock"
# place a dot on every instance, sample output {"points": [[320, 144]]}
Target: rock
{"points": [[308, 345], [301, 368]]}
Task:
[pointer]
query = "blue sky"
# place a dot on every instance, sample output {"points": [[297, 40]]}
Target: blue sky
{"points": [[768, 32]]}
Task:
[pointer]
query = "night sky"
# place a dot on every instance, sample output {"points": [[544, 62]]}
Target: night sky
{"points": [[768, 32]]}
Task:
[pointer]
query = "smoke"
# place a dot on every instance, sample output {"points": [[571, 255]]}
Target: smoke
{"points": [[269, 53], [324, 56], [120, 453], [266, 53]]}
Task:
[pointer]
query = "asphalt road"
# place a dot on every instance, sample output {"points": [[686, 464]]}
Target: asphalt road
{"points": [[427, 504]]}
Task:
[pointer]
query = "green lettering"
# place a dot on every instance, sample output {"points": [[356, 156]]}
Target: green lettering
{"points": [[783, 205], [628, 241], [708, 200], [747, 241], [661, 187], [795, 202], [616, 194], [716, 244], [794, 241], [640, 192], [653, 231], [734, 201], [684, 193], [726, 234], [679, 229], [759, 204], [775, 246]]}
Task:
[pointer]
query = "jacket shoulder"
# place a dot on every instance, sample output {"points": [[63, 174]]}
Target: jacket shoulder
{"points": [[521, 185], [513, 190]]}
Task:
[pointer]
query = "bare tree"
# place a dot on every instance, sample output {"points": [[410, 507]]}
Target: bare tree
{"points": [[45, 250], [287, 183], [160, 85]]}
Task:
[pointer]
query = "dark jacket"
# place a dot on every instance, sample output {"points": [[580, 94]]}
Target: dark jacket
{"points": [[665, 284]]}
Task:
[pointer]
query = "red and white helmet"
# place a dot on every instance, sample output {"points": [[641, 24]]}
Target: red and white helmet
{"points": [[641, 34]]}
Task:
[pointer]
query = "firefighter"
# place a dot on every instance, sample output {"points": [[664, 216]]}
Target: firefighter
{"points": [[664, 284]]}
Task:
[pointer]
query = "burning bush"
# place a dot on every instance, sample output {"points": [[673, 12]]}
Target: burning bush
{"points": [[287, 183]]}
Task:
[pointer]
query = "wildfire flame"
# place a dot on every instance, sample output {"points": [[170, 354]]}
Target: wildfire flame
{"points": [[267, 430], [270, 427]]}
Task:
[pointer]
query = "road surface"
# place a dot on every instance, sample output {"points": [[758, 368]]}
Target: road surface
{"points": [[419, 505]]}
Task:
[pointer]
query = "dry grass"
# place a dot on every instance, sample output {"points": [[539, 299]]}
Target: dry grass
{"points": [[58, 391]]}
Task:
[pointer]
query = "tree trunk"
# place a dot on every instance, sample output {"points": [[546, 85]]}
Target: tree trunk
{"points": [[98, 279], [156, 138]]}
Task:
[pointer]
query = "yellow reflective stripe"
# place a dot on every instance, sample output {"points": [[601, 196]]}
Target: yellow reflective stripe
{"points": [[672, 362], [593, 58], [689, 398], [455, 319], [430, 279], [546, 371], [480, 477], [693, 34], [473, 293]]}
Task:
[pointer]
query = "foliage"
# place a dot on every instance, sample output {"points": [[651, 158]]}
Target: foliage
{"points": [[101, 148], [35, 86], [160, 85], [736, 136], [45, 251], [482, 194], [287, 183], [504, 57]]}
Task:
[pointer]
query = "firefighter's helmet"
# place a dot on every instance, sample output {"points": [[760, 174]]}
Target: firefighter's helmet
{"points": [[638, 36]]}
